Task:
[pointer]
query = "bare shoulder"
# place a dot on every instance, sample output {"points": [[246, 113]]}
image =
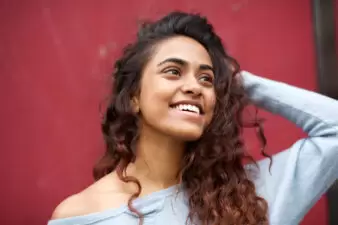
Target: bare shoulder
{"points": [[102, 195], [74, 205]]}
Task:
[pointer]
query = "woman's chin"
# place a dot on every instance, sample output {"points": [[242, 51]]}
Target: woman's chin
{"points": [[187, 135]]}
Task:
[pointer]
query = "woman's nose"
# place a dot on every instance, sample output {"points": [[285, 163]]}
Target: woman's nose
{"points": [[192, 87]]}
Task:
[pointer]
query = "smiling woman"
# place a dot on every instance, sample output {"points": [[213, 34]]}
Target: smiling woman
{"points": [[173, 135], [175, 82]]}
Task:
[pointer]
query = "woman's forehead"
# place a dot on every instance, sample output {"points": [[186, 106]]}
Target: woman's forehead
{"points": [[184, 48]]}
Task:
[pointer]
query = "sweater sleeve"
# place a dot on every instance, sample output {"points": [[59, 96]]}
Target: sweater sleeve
{"points": [[301, 174]]}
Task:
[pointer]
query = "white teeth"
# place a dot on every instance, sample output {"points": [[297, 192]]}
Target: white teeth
{"points": [[191, 108]]}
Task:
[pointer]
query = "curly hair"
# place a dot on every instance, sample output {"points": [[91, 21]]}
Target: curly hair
{"points": [[218, 186]]}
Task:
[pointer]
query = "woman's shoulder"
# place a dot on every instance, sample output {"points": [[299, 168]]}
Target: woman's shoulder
{"points": [[74, 205], [104, 194]]}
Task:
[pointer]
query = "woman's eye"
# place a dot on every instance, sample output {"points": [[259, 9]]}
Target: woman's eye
{"points": [[206, 78], [172, 71]]}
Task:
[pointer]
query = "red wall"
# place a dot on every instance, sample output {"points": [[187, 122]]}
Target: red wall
{"points": [[54, 62]]}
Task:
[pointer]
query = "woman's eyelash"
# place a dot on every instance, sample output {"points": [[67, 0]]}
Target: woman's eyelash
{"points": [[172, 71], [207, 78]]}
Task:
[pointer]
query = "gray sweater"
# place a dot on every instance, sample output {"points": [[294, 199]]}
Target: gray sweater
{"points": [[299, 175]]}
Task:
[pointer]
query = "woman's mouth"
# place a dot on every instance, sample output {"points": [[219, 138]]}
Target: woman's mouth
{"points": [[187, 108]]}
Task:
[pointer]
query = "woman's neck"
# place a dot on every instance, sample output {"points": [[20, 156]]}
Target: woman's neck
{"points": [[158, 160]]}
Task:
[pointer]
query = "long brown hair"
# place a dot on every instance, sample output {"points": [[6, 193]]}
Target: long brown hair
{"points": [[219, 188]]}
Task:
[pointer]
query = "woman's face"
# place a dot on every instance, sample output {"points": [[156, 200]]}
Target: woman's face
{"points": [[177, 96]]}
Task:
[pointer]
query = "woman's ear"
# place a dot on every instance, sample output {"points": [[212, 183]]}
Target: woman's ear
{"points": [[135, 104]]}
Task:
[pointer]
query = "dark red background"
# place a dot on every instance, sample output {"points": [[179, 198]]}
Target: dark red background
{"points": [[55, 58]]}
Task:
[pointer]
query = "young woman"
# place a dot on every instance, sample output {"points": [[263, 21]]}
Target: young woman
{"points": [[173, 135]]}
